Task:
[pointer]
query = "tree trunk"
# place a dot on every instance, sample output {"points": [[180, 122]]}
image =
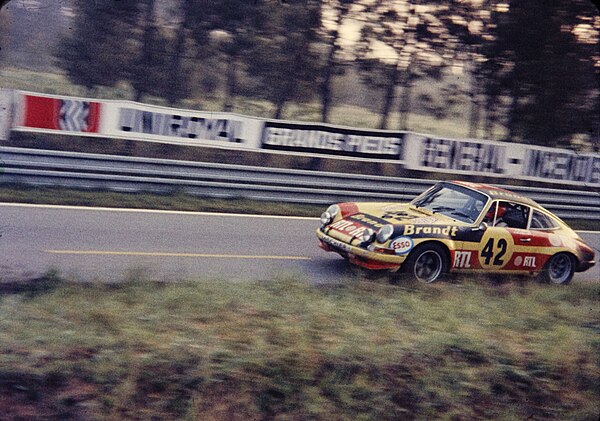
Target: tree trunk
{"points": [[279, 106], [146, 45], [326, 86], [330, 66], [489, 117], [175, 92], [474, 114], [512, 114], [405, 103], [230, 84], [390, 92]]}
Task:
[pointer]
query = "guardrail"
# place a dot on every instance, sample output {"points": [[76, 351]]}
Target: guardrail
{"points": [[134, 174]]}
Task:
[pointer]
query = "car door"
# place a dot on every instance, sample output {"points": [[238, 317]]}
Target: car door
{"points": [[535, 245], [487, 250], [503, 241]]}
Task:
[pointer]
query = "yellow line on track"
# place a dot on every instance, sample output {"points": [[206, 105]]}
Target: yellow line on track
{"points": [[167, 254]]}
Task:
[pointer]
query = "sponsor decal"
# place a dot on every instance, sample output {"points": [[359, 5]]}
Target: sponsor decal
{"points": [[462, 259], [370, 221], [424, 220], [527, 262], [348, 227], [555, 240], [399, 216], [496, 249], [183, 126], [337, 244], [332, 140], [503, 194], [70, 115], [428, 230], [402, 245]]}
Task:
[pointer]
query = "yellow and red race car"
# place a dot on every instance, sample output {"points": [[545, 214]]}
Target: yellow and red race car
{"points": [[456, 227]]}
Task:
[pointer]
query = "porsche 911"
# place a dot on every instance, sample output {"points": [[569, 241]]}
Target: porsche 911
{"points": [[456, 227]]}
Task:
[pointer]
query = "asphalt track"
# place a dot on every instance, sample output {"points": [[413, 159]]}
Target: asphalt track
{"points": [[112, 245]]}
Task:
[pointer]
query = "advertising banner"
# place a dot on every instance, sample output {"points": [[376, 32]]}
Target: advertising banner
{"points": [[561, 165], [48, 112], [27, 111], [332, 140], [133, 120], [511, 160], [5, 113]]}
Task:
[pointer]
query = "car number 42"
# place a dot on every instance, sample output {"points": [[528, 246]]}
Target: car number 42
{"points": [[494, 251]]}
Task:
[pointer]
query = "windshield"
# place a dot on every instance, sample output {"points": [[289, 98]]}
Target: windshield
{"points": [[454, 201]]}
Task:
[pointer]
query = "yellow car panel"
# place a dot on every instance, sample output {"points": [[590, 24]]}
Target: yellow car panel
{"points": [[456, 227]]}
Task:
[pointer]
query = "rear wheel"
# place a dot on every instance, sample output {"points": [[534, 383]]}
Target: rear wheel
{"points": [[559, 269], [427, 263]]}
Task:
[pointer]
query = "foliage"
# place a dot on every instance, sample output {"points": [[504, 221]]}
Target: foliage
{"points": [[532, 66], [282, 349], [550, 76], [98, 51], [284, 60], [341, 10], [416, 42]]}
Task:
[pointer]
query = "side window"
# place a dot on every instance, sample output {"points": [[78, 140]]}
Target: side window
{"points": [[512, 215], [490, 214], [540, 221]]}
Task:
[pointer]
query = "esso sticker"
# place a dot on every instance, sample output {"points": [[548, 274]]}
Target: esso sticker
{"points": [[402, 245]]}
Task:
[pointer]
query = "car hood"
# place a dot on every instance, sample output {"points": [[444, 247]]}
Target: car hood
{"points": [[397, 214], [406, 219]]}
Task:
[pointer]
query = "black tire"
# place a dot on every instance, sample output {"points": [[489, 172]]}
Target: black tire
{"points": [[559, 270], [426, 263]]}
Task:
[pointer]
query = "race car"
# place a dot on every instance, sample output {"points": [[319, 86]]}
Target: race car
{"points": [[456, 227]]}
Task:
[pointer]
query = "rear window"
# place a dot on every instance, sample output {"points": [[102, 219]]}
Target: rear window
{"points": [[541, 221]]}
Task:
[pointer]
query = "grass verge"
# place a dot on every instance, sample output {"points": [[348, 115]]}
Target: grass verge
{"points": [[283, 349], [175, 201]]}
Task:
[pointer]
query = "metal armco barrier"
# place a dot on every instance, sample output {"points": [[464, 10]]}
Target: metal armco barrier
{"points": [[119, 173]]}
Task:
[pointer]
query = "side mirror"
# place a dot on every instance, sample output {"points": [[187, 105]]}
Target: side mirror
{"points": [[482, 227]]}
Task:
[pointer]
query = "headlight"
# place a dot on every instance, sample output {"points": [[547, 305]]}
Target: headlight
{"points": [[385, 233], [326, 218], [329, 215], [333, 210], [368, 236]]}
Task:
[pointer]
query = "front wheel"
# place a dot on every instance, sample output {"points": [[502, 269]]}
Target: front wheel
{"points": [[427, 263], [559, 269]]}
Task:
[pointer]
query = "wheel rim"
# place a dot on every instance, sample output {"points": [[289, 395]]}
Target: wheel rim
{"points": [[428, 266], [560, 269]]}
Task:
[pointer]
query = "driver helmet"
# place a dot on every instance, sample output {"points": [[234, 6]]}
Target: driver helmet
{"points": [[490, 214]]}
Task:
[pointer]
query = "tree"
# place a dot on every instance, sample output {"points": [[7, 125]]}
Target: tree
{"points": [[98, 51], [549, 72], [407, 38], [339, 10], [227, 29], [469, 24], [148, 71], [284, 59]]}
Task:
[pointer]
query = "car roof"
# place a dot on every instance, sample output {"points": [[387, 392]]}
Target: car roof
{"points": [[498, 193]]}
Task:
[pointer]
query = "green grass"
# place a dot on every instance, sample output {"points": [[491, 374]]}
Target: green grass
{"points": [[282, 349]]}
